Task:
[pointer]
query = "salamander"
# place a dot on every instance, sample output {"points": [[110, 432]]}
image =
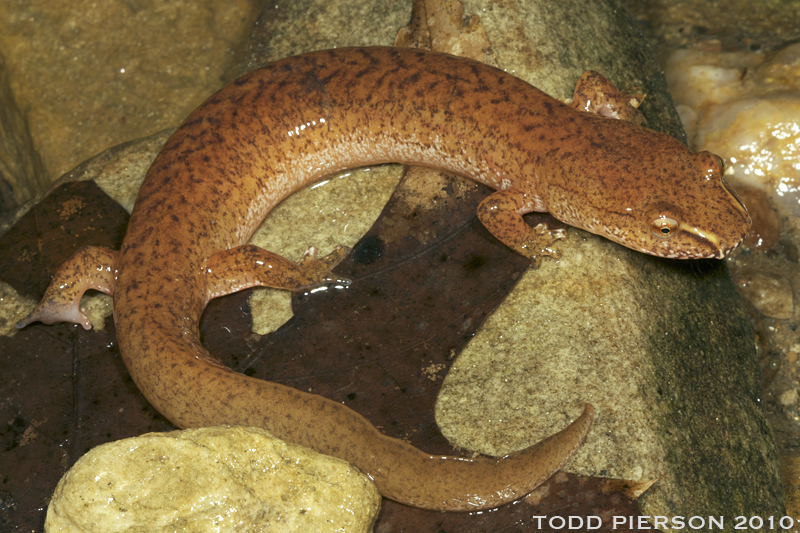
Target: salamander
{"points": [[298, 120]]}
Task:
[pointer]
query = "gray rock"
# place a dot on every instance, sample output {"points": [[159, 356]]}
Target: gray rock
{"points": [[21, 171], [286, 28]]}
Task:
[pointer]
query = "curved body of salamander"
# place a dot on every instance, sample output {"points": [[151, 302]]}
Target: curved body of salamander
{"points": [[295, 121]]}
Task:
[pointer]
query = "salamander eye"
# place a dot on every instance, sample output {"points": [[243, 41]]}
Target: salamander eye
{"points": [[720, 163], [664, 226]]}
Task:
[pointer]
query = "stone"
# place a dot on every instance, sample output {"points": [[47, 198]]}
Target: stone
{"points": [[220, 479], [90, 75], [770, 294], [21, 169]]}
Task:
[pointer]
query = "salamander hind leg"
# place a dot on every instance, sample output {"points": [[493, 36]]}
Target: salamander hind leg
{"points": [[91, 267], [248, 266], [501, 214]]}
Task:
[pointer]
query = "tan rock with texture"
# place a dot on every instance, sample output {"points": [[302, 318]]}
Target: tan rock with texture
{"points": [[211, 479]]}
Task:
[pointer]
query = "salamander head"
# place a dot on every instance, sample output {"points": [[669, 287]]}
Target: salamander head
{"points": [[710, 223], [649, 192]]}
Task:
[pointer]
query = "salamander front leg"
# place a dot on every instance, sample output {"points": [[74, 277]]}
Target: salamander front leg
{"points": [[501, 213], [250, 266], [91, 267], [595, 94]]}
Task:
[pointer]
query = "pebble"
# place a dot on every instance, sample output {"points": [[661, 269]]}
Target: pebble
{"points": [[770, 294]]}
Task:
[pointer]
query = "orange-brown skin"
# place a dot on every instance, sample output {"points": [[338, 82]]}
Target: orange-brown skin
{"points": [[293, 122]]}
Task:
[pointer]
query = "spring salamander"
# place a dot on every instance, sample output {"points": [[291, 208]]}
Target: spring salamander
{"points": [[298, 120]]}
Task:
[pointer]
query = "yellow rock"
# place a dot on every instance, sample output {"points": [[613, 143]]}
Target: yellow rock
{"points": [[211, 479], [744, 107]]}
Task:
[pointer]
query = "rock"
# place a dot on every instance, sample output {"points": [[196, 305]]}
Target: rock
{"points": [[744, 107], [21, 169], [766, 229], [90, 75], [770, 294], [211, 479], [679, 23], [790, 467], [788, 398]]}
